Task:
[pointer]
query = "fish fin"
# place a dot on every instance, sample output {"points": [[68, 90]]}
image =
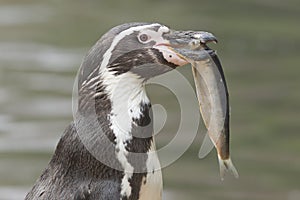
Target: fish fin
{"points": [[206, 147], [227, 165]]}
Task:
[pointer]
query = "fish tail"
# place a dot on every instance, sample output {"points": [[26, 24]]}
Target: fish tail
{"points": [[227, 165]]}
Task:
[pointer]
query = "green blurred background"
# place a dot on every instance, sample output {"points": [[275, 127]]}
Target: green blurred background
{"points": [[41, 47]]}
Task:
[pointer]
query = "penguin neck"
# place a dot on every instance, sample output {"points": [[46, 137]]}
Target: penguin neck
{"points": [[131, 125], [121, 105], [130, 114]]}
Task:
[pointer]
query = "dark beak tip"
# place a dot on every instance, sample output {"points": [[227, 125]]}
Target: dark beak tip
{"points": [[215, 41], [208, 37]]}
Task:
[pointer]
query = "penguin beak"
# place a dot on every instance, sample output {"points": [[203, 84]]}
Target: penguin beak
{"points": [[189, 39], [180, 41]]}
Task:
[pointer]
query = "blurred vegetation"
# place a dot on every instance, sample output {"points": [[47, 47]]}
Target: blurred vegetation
{"points": [[259, 45]]}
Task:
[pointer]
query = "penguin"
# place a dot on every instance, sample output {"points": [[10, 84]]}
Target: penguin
{"points": [[108, 151]]}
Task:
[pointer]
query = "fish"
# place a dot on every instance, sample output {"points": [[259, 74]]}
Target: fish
{"points": [[213, 98]]}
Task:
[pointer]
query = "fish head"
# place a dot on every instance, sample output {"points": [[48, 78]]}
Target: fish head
{"points": [[186, 46]]}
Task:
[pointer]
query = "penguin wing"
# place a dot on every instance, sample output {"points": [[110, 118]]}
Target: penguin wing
{"points": [[102, 190]]}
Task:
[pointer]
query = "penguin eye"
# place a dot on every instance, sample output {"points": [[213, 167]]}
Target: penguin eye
{"points": [[143, 38]]}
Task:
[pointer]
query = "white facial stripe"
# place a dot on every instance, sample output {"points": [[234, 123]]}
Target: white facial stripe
{"points": [[118, 38], [155, 36], [164, 29]]}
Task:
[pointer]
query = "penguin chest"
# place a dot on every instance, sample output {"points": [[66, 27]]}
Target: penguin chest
{"points": [[152, 186]]}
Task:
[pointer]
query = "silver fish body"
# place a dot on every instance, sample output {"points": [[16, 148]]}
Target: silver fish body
{"points": [[212, 94]]}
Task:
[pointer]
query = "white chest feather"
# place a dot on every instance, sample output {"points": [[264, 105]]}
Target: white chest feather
{"points": [[152, 185], [126, 93], [152, 189]]}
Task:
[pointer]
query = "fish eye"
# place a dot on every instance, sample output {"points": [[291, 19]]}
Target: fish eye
{"points": [[143, 38]]}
